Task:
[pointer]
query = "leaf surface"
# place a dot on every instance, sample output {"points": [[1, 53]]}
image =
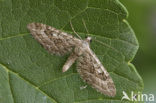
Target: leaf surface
{"points": [[29, 74]]}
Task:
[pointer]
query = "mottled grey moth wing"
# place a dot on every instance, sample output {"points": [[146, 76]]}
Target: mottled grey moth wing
{"points": [[92, 71], [88, 65], [55, 41]]}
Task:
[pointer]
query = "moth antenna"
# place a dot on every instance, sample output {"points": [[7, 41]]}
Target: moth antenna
{"points": [[88, 33], [75, 31], [85, 26]]}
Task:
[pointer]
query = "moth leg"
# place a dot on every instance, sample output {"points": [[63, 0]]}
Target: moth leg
{"points": [[71, 59], [83, 87]]}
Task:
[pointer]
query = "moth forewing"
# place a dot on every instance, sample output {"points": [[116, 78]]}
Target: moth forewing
{"points": [[53, 40], [93, 72]]}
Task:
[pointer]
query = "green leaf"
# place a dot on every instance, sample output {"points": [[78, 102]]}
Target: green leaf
{"points": [[29, 74]]}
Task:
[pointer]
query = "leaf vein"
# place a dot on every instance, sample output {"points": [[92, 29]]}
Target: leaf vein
{"points": [[10, 85], [50, 81], [36, 87]]}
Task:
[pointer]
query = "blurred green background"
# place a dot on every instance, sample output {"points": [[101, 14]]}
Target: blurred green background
{"points": [[142, 18]]}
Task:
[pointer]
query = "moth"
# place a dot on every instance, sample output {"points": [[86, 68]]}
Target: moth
{"points": [[89, 67]]}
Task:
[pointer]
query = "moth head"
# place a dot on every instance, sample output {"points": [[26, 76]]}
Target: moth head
{"points": [[88, 39], [86, 43]]}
